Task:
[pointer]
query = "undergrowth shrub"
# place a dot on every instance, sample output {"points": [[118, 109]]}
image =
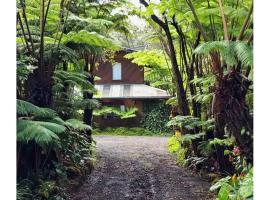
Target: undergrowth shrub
{"points": [[237, 187], [134, 131], [156, 116], [175, 147], [59, 150]]}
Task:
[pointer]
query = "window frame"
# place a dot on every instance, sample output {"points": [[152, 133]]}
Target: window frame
{"points": [[117, 72]]}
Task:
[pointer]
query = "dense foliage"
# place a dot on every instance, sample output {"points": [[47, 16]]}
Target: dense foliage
{"points": [[156, 115], [124, 131], [199, 51], [59, 44]]}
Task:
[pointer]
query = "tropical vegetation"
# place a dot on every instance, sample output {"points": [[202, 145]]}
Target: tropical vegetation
{"points": [[201, 52]]}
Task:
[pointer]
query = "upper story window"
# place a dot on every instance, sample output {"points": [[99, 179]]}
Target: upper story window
{"points": [[117, 71]]}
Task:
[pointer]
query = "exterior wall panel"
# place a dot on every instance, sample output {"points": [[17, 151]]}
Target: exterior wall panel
{"points": [[131, 73]]}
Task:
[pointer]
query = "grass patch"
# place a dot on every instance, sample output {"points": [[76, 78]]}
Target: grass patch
{"points": [[136, 131]]}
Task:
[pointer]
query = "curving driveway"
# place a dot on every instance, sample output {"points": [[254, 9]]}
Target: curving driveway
{"points": [[139, 168]]}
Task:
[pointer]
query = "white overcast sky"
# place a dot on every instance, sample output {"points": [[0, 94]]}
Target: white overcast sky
{"points": [[135, 19]]}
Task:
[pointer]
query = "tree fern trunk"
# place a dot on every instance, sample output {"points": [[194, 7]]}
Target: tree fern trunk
{"points": [[88, 112], [230, 105]]}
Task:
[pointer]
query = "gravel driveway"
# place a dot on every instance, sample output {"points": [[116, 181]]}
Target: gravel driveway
{"points": [[139, 168]]}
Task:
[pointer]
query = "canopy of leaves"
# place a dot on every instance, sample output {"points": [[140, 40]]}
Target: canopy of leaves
{"points": [[231, 52]]}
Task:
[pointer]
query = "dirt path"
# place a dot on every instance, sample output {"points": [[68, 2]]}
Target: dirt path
{"points": [[139, 168]]}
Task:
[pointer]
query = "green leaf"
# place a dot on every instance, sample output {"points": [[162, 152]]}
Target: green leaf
{"points": [[224, 192], [39, 131], [89, 38], [219, 183], [77, 124], [246, 186], [27, 108], [231, 51]]}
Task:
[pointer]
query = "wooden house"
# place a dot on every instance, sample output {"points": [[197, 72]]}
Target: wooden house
{"points": [[122, 85]]}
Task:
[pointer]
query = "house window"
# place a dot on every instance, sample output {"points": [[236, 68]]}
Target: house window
{"points": [[117, 71]]}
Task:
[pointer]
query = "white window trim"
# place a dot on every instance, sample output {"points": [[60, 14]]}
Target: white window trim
{"points": [[117, 72]]}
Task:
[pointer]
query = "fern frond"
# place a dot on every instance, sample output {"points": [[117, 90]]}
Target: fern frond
{"points": [[77, 124], [46, 113], [172, 101], [89, 38], [190, 137], [230, 51], [73, 78], [27, 108], [129, 113], [39, 131], [188, 122], [87, 103]]}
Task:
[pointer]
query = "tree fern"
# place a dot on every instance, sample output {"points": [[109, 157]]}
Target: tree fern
{"points": [[89, 38], [230, 51], [188, 122], [73, 78], [27, 108], [77, 124], [190, 137], [129, 113], [58, 53], [40, 131], [87, 103]]}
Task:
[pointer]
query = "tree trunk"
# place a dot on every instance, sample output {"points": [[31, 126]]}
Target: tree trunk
{"points": [[230, 105], [180, 91], [177, 78], [88, 112]]}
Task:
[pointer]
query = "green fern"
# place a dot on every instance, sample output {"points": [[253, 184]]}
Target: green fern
{"points": [[40, 131], [89, 38], [172, 101], [72, 78], [87, 103], [129, 113], [190, 137], [27, 108], [231, 51], [188, 122], [77, 124], [58, 53]]}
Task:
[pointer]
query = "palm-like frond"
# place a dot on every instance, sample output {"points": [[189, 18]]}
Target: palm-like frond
{"points": [[77, 124], [59, 53], [188, 122], [89, 38], [72, 78], [172, 101], [231, 51], [79, 23], [87, 103], [40, 131], [26, 108], [129, 113]]}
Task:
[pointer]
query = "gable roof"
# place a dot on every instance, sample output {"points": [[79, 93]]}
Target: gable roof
{"points": [[129, 91]]}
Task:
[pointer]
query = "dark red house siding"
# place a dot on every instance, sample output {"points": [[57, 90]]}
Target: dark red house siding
{"points": [[131, 73]]}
